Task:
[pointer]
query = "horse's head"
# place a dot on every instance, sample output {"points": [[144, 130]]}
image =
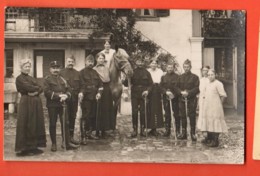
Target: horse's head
{"points": [[121, 58]]}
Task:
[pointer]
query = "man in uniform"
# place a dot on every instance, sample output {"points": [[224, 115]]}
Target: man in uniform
{"points": [[90, 91], [141, 85], [57, 92], [168, 85], [72, 77], [188, 88]]}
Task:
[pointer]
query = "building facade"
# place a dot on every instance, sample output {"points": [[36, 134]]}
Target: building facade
{"points": [[179, 32]]}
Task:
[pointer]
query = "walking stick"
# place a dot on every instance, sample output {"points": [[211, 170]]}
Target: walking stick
{"points": [[64, 106], [186, 111], [145, 114], [97, 114], [173, 120]]}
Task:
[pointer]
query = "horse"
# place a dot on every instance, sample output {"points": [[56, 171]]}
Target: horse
{"points": [[119, 63]]}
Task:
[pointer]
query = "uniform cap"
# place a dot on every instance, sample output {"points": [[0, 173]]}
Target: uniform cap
{"points": [[55, 64], [187, 62]]}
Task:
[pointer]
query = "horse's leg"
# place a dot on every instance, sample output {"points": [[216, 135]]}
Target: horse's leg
{"points": [[116, 94]]}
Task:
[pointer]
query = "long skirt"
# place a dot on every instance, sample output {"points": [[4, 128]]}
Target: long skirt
{"points": [[155, 114], [105, 118], [30, 131]]}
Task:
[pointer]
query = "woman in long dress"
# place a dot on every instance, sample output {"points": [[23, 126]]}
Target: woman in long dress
{"points": [[213, 119], [155, 117], [30, 131], [204, 81], [105, 109]]}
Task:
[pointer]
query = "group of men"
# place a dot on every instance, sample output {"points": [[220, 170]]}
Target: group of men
{"points": [[65, 88], [68, 87], [179, 92]]}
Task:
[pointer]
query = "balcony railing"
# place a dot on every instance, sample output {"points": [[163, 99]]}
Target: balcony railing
{"points": [[35, 20]]}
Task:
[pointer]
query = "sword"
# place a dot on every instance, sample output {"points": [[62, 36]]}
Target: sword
{"points": [[145, 114], [97, 114], [173, 120], [186, 111], [64, 106]]}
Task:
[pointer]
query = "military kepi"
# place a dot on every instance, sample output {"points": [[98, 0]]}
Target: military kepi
{"points": [[54, 64]]}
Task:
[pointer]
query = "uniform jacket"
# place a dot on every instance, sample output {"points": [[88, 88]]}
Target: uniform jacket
{"points": [[90, 82], [53, 87], [189, 82], [169, 82], [72, 78], [141, 81]]}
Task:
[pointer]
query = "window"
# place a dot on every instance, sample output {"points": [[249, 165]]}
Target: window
{"points": [[151, 14], [9, 63]]}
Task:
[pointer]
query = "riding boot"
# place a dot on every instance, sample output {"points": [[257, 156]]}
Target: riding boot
{"points": [[193, 135], [134, 133], [83, 132], [177, 130], [142, 133]]}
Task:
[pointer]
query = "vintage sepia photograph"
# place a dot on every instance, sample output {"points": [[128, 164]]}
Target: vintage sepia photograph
{"points": [[124, 85]]}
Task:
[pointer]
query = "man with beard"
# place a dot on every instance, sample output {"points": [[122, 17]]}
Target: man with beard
{"points": [[187, 89], [72, 77]]}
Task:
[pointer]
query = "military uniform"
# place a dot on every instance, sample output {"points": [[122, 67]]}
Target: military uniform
{"points": [[54, 86], [90, 83], [188, 82], [169, 83], [141, 81], [72, 77]]}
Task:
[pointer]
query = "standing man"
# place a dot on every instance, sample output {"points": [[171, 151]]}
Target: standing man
{"points": [[168, 85], [188, 88], [141, 85], [57, 92], [72, 77], [90, 92]]}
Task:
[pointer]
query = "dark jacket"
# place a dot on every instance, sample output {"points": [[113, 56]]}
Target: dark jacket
{"points": [[90, 82], [72, 78], [189, 82], [141, 81], [53, 87], [169, 82]]}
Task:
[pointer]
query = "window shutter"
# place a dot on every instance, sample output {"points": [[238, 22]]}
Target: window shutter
{"points": [[163, 13]]}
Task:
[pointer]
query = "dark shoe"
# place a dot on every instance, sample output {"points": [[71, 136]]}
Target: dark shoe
{"points": [[153, 132], [70, 146], [193, 137], [103, 134], [142, 132], [37, 151], [97, 133], [213, 144], [73, 141], [134, 134], [205, 141], [90, 136], [53, 147], [83, 141], [167, 133], [25, 153], [182, 136]]}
